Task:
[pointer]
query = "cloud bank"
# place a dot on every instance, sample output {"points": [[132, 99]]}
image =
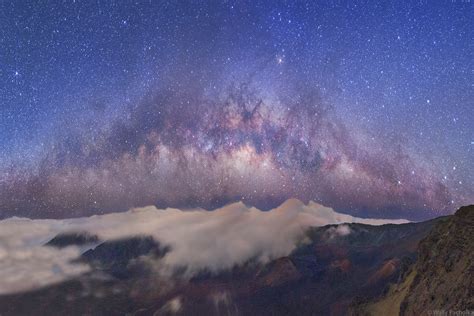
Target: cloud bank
{"points": [[199, 240], [25, 264]]}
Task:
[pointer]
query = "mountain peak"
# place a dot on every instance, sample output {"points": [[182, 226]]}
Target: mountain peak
{"points": [[292, 203], [466, 212]]}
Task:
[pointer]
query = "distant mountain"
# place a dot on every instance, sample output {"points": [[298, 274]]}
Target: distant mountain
{"points": [[116, 257], [442, 279], [73, 239]]}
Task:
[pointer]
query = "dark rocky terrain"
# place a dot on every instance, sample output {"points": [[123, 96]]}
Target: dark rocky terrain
{"points": [[76, 239], [338, 270], [442, 279]]}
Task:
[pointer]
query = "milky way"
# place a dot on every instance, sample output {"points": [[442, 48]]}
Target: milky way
{"points": [[366, 109]]}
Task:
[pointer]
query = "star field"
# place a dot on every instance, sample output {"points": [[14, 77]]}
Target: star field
{"points": [[364, 107]]}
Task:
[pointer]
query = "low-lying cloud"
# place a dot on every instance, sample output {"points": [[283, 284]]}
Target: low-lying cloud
{"points": [[25, 264], [199, 240], [338, 231]]}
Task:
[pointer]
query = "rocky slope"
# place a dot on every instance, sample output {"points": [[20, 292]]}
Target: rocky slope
{"points": [[442, 279]]}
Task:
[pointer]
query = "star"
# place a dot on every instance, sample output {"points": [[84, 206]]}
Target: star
{"points": [[166, 100]]}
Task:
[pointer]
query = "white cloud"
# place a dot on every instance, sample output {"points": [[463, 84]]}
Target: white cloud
{"points": [[25, 264], [338, 231], [199, 239], [173, 306]]}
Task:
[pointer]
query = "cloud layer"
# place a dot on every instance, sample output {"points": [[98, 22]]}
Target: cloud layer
{"points": [[25, 264], [200, 240]]}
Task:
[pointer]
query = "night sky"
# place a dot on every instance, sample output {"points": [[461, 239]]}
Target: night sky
{"points": [[364, 107]]}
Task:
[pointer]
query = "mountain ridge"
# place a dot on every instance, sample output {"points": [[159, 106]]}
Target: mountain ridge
{"points": [[441, 279]]}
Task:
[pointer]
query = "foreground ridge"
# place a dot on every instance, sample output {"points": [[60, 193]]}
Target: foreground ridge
{"points": [[442, 278]]}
